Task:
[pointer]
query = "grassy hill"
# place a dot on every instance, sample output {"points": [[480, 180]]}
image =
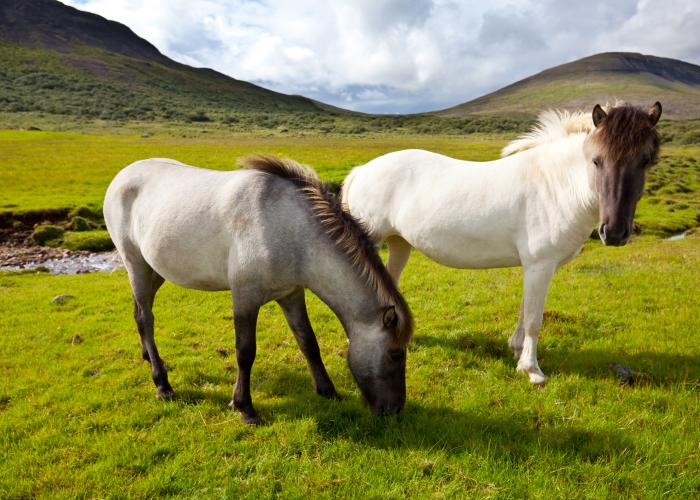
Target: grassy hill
{"points": [[59, 60], [62, 69], [601, 78]]}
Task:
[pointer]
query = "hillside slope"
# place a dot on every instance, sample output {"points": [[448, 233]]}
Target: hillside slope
{"points": [[635, 78], [58, 59]]}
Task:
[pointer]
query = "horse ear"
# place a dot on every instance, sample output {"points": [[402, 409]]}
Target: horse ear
{"points": [[654, 113], [598, 115], [389, 317]]}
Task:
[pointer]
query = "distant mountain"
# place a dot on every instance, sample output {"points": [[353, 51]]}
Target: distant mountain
{"points": [[58, 59], [602, 78]]}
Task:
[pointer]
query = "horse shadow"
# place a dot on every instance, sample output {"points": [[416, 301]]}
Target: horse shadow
{"points": [[558, 359], [511, 435]]}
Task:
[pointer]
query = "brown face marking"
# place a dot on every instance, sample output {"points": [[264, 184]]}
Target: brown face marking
{"points": [[626, 144]]}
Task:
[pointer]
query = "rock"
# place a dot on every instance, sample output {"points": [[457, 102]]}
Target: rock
{"points": [[61, 298], [628, 376]]}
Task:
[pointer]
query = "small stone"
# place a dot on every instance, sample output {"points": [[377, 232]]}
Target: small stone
{"points": [[628, 376], [61, 298]]}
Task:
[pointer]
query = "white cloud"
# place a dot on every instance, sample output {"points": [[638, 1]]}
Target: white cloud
{"points": [[401, 55]]}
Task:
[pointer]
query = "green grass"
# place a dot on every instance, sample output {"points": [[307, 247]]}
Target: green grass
{"points": [[41, 170], [48, 170], [79, 419]]}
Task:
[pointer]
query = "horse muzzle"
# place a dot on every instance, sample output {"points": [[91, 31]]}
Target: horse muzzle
{"points": [[384, 411], [614, 235]]}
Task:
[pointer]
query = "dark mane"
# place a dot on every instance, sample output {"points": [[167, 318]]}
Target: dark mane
{"points": [[625, 131], [348, 233]]}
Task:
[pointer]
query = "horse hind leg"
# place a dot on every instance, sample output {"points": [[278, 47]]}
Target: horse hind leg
{"points": [[399, 253], [515, 342], [156, 282], [294, 309], [145, 282]]}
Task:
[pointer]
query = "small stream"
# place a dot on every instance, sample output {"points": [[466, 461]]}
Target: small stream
{"points": [[75, 264]]}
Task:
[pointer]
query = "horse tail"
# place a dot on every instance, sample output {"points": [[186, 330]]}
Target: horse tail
{"points": [[345, 187]]}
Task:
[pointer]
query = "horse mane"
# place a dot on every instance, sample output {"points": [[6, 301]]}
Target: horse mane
{"points": [[348, 233], [551, 125], [624, 131]]}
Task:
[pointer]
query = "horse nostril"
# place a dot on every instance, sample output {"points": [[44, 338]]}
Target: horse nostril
{"points": [[625, 234]]}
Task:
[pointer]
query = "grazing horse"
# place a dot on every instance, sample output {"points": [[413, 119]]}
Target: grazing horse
{"points": [[533, 209], [266, 232]]}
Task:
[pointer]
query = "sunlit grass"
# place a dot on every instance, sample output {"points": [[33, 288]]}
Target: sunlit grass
{"points": [[79, 419]]}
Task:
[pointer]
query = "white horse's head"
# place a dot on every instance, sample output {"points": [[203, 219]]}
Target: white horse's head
{"points": [[623, 146]]}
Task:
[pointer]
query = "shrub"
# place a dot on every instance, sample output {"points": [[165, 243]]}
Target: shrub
{"points": [[691, 137], [199, 116]]}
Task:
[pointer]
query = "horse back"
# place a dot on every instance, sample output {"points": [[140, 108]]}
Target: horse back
{"points": [[204, 229]]}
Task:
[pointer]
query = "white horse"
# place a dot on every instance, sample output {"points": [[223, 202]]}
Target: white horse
{"points": [[264, 233], [533, 209]]}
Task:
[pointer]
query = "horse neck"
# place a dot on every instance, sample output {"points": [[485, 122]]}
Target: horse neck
{"points": [[342, 288], [562, 167]]}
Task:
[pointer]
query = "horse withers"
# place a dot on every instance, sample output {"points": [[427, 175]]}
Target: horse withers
{"points": [[533, 209], [266, 232]]}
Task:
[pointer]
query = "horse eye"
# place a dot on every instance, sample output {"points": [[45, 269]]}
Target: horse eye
{"points": [[396, 356], [596, 163]]}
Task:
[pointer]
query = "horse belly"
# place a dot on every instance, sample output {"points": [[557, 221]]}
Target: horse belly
{"points": [[189, 258], [467, 251]]}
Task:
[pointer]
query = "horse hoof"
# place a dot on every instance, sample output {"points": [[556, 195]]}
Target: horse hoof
{"points": [[252, 419], [165, 395], [538, 379]]}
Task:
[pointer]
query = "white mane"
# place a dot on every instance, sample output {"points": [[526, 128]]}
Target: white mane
{"points": [[551, 126]]}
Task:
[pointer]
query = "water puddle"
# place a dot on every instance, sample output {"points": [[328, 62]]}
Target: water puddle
{"points": [[82, 263]]}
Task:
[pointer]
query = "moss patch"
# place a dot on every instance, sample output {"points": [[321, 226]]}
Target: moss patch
{"points": [[79, 224], [43, 234], [95, 241]]}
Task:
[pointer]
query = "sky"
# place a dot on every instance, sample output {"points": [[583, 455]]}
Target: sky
{"points": [[401, 56]]}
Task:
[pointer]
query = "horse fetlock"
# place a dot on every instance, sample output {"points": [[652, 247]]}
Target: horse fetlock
{"points": [[516, 345], [245, 406], [328, 392], [165, 393]]}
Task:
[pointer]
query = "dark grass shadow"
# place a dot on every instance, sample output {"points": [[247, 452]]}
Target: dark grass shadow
{"points": [[665, 369], [511, 437]]}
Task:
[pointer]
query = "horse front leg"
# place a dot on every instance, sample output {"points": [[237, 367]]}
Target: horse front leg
{"points": [[294, 309], [245, 319], [537, 280]]}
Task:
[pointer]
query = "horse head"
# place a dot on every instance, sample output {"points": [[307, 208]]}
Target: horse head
{"points": [[378, 362], [620, 150]]}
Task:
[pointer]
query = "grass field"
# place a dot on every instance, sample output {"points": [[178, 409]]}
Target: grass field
{"points": [[40, 170], [78, 417]]}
